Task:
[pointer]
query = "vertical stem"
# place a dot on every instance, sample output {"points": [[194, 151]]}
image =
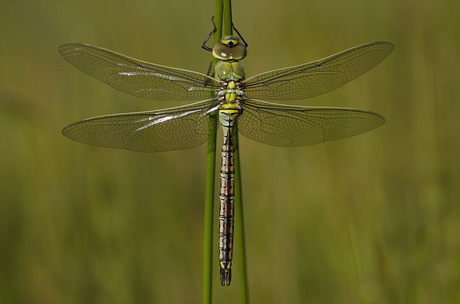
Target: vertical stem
{"points": [[218, 20], [228, 25], [210, 182], [240, 241], [223, 8], [353, 265], [209, 215]]}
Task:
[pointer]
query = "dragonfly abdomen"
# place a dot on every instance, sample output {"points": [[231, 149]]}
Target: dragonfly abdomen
{"points": [[227, 117]]}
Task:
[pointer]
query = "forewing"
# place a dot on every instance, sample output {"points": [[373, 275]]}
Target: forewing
{"points": [[290, 126], [154, 131], [139, 78], [318, 77]]}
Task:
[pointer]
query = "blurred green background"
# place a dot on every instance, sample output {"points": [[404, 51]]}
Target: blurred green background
{"points": [[370, 219]]}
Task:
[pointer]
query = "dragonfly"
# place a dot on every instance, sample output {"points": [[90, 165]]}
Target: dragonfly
{"points": [[245, 104]]}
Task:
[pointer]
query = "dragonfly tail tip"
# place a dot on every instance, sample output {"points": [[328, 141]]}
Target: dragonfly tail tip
{"points": [[225, 276]]}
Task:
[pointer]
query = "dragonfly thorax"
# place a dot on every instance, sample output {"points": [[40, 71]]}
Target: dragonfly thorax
{"points": [[230, 92], [230, 70], [229, 97]]}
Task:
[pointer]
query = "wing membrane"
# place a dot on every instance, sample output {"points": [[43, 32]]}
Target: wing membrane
{"points": [[153, 131], [318, 77], [290, 126], [139, 78]]}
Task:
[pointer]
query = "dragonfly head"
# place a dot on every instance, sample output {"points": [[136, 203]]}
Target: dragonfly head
{"points": [[229, 48]]}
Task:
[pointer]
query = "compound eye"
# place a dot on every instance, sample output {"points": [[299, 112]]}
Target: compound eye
{"points": [[238, 51], [222, 52]]}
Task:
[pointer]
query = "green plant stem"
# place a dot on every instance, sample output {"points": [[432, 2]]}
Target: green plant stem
{"points": [[228, 25], [223, 13], [209, 215], [240, 241], [210, 180]]}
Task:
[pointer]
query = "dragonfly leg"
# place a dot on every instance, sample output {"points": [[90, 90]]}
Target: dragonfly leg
{"points": [[203, 45], [207, 48], [239, 35], [209, 69]]}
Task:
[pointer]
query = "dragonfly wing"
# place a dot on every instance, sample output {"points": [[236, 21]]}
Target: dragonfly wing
{"points": [[153, 131], [139, 78], [290, 126], [318, 77]]}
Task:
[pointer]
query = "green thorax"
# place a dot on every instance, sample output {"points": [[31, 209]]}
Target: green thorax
{"points": [[230, 70]]}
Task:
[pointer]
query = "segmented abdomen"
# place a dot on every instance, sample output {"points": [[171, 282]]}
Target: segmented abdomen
{"points": [[227, 118]]}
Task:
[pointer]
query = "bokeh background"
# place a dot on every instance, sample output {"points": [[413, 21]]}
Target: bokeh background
{"points": [[369, 219]]}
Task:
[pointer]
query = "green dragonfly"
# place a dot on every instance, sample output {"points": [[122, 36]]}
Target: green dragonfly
{"points": [[236, 100]]}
